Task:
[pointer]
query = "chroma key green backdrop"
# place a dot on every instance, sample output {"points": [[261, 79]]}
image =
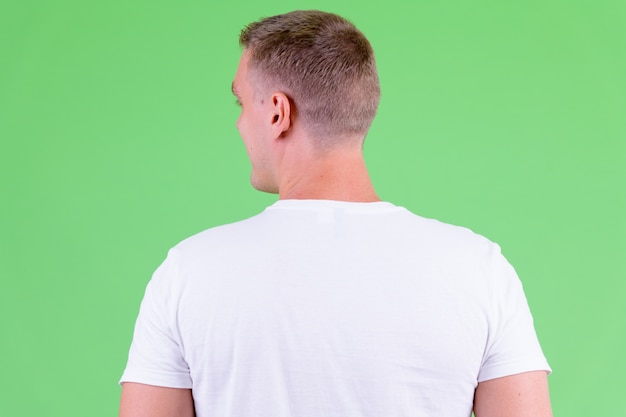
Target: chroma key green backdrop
{"points": [[118, 139]]}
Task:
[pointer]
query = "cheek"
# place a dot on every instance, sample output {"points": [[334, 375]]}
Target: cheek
{"points": [[238, 122], [242, 127]]}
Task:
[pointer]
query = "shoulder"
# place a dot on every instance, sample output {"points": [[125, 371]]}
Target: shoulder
{"points": [[448, 238], [222, 235]]}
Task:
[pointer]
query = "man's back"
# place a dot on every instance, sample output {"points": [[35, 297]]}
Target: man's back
{"points": [[330, 303], [324, 308]]}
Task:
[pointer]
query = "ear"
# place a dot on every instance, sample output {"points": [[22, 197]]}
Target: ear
{"points": [[281, 114]]}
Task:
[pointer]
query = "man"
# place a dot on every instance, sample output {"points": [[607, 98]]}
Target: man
{"points": [[330, 302]]}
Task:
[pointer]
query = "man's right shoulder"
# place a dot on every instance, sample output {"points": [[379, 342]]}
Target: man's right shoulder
{"points": [[222, 234]]}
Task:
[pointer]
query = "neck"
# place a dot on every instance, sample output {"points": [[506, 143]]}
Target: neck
{"points": [[339, 174]]}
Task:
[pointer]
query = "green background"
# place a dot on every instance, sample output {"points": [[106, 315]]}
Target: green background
{"points": [[118, 140]]}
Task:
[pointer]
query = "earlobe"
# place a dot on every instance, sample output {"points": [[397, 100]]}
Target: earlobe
{"points": [[281, 117]]}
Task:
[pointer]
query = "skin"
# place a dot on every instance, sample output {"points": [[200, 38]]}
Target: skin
{"points": [[521, 395], [284, 161], [282, 153], [140, 400]]}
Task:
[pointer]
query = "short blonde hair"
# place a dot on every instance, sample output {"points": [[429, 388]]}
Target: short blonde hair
{"points": [[323, 63]]}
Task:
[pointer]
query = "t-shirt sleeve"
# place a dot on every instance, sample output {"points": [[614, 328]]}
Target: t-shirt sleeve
{"points": [[156, 356], [512, 345]]}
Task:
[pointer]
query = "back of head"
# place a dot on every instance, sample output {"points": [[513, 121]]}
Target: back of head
{"points": [[323, 63]]}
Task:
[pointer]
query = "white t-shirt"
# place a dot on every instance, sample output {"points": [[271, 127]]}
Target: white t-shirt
{"points": [[324, 308]]}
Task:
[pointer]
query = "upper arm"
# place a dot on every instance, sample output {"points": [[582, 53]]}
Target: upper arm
{"points": [[140, 400], [520, 395]]}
